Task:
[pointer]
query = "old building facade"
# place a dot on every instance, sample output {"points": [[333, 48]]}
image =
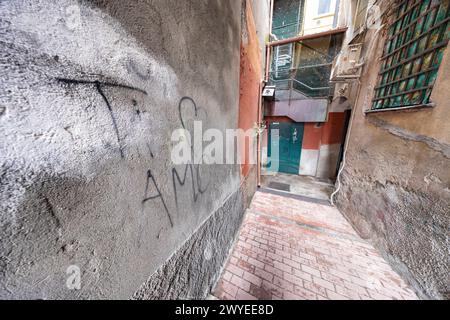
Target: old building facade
{"points": [[307, 36], [91, 205], [395, 181]]}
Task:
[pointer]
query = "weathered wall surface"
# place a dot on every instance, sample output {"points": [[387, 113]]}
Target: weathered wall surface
{"points": [[189, 273], [90, 94], [179, 276], [396, 183], [249, 83], [261, 17]]}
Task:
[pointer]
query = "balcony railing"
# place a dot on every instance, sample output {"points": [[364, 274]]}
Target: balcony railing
{"points": [[304, 82]]}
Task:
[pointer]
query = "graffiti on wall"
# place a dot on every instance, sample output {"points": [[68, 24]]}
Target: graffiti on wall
{"points": [[99, 85], [152, 191]]}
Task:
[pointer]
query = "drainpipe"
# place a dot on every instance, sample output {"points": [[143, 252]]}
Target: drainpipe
{"points": [[258, 136], [260, 98], [268, 52], [270, 17], [268, 49]]}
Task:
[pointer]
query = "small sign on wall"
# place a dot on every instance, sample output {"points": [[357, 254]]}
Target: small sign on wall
{"points": [[269, 92]]}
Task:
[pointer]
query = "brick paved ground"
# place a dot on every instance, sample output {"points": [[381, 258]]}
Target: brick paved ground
{"points": [[291, 249]]}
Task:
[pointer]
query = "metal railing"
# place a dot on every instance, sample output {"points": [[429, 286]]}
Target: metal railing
{"points": [[290, 80]]}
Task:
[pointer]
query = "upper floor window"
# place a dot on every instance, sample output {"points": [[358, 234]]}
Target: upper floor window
{"points": [[359, 16], [413, 51], [287, 18], [324, 7]]}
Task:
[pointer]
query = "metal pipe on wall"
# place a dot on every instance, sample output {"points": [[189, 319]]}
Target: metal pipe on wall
{"points": [[260, 99], [258, 136], [268, 49]]}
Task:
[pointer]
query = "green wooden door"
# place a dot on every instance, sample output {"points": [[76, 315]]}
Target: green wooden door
{"points": [[288, 142]]}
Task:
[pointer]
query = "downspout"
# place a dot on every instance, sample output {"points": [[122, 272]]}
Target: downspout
{"points": [[270, 17], [268, 52], [268, 48], [260, 98], [258, 136]]}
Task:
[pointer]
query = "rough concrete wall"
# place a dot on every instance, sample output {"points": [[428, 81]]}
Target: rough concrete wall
{"points": [[90, 94], [208, 248], [396, 183]]}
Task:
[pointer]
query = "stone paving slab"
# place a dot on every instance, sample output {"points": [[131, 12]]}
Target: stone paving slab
{"points": [[295, 250]]}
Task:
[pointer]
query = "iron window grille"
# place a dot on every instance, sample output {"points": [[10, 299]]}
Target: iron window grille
{"points": [[413, 51]]}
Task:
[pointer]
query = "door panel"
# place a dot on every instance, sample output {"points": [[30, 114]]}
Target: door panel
{"points": [[289, 142]]}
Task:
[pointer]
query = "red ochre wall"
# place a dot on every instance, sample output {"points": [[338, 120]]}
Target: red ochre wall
{"points": [[276, 119], [312, 136], [333, 129], [249, 83], [330, 132], [321, 146]]}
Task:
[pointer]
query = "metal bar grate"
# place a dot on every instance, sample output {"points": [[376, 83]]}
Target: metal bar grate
{"points": [[413, 52]]}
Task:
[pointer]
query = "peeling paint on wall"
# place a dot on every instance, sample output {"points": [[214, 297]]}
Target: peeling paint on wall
{"points": [[250, 79], [433, 144], [396, 179]]}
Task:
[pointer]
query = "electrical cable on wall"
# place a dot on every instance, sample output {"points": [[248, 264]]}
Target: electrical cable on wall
{"points": [[344, 157]]}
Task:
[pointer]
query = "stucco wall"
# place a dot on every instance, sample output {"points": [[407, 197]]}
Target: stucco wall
{"points": [[396, 182], [249, 83], [90, 94], [261, 17]]}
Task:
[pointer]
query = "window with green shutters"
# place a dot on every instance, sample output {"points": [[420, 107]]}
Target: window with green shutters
{"points": [[413, 52]]}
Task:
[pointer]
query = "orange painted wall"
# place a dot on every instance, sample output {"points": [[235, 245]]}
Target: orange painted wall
{"points": [[312, 136], [249, 82], [333, 129], [277, 119]]}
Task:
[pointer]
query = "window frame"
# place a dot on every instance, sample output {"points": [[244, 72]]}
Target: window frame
{"points": [[358, 13], [319, 13]]}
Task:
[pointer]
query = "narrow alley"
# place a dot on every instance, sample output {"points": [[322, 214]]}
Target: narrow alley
{"points": [[297, 250], [207, 151]]}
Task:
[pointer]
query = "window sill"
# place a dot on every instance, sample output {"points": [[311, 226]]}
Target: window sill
{"points": [[417, 107]]}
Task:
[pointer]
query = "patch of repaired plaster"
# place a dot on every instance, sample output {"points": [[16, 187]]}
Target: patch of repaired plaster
{"points": [[432, 143]]}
